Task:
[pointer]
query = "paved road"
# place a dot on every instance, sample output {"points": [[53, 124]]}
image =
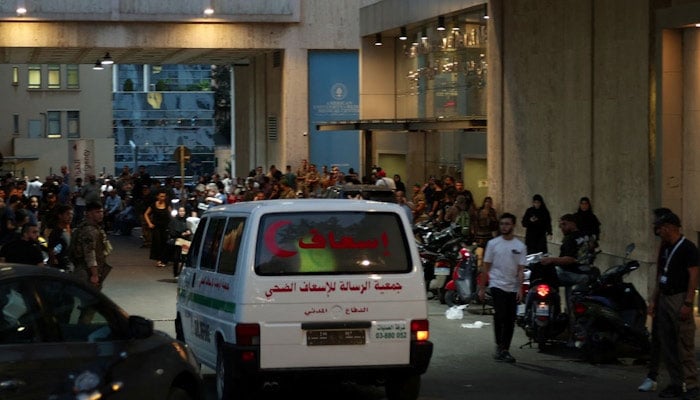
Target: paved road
{"points": [[462, 366]]}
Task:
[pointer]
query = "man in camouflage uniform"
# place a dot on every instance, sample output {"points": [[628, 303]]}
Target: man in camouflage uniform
{"points": [[89, 247]]}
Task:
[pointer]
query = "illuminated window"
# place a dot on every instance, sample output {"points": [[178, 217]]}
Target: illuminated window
{"points": [[15, 76], [72, 77], [73, 124], [54, 76], [34, 76], [54, 118]]}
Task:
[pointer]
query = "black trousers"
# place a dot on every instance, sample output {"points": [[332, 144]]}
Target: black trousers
{"points": [[504, 313]]}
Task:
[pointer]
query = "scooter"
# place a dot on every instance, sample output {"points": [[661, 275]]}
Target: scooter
{"points": [[540, 315], [461, 289], [610, 316], [438, 253]]}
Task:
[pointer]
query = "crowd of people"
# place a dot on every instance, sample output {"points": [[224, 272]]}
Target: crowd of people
{"points": [[74, 218]]}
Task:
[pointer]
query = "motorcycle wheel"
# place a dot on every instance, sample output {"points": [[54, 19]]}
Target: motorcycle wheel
{"points": [[452, 298], [599, 347], [441, 295]]}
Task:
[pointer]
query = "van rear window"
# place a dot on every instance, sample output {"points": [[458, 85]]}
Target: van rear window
{"points": [[345, 242]]}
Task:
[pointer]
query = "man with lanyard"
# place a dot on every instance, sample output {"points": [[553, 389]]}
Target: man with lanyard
{"points": [[677, 278], [504, 260]]}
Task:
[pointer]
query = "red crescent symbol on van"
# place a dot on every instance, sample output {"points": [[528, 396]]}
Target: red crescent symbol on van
{"points": [[270, 240]]}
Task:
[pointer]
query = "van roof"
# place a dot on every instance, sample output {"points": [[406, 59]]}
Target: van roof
{"points": [[266, 206]]}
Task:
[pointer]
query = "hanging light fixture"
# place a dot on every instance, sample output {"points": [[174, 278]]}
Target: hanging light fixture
{"points": [[402, 35], [208, 11], [424, 34], [21, 8], [441, 23], [486, 12], [107, 60], [378, 39], [98, 66]]}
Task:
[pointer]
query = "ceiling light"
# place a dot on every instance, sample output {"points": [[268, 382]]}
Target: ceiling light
{"points": [[98, 66], [403, 35], [107, 60], [208, 11], [424, 34], [21, 8], [441, 23], [378, 39], [486, 12]]}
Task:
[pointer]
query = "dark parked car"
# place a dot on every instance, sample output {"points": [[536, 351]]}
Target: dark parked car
{"points": [[62, 339], [362, 192]]}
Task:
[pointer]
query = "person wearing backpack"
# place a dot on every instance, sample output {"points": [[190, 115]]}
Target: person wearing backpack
{"points": [[460, 214]]}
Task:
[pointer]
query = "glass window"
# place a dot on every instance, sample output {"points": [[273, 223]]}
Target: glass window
{"points": [[195, 248], [54, 120], [15, 76], [18, 315], [232, 242], [331, 243], [54, 76], [73, 119], [34, 76], [212, 243], [15, 123], [72, 77], [79, 315]]}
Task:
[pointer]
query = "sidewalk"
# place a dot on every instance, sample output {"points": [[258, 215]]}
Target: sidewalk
{"points": [[137, 286]]}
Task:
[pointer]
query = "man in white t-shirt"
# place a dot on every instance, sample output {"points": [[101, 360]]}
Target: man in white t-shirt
{"points": [[504, 260]]}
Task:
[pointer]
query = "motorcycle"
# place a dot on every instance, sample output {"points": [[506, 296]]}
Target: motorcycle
{"points": [[462, 288], [610, 316], [540, 315], [438, 254]]}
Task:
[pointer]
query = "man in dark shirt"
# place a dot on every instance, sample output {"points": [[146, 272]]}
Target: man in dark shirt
{"points": [[25, 249]]}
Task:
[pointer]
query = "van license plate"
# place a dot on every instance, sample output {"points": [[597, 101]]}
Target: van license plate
{"points": [[335, 337], [442, 271], [542, 310]]}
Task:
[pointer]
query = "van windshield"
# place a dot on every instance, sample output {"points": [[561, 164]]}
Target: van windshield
{"points": [[331, 243]]}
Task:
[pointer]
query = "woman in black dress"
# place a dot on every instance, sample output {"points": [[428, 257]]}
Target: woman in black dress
{"points": [[157, 218], [538, 225]]}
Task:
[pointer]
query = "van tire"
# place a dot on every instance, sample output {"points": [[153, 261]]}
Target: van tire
{"points": [[403, 388], [179, 333], [224, 374], [177, 393]]}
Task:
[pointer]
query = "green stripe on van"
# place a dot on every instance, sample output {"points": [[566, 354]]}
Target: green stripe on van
{"points": [[209, 302]]}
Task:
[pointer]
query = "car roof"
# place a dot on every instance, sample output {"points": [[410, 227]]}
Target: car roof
{"points": [[304, 205], [12, 270]]}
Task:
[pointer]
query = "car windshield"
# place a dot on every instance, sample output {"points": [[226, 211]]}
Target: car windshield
{"points": [[331, 243]]}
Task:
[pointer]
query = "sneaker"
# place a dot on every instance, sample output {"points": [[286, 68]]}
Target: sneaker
{"points": [[505, 356], [649, 385], [671, 391], [498, 355], [691, 394]]}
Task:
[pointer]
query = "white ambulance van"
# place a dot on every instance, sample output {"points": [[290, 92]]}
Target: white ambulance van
{"points": [[278, 290]]}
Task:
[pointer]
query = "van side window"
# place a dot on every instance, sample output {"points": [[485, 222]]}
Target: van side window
{"points": [[195, 248], [231, 244], [211, 243]]}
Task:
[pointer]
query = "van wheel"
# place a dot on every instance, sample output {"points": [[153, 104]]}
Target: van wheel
{"points": [[224, 376], [403, 388], [179, 334], [177, 393]]}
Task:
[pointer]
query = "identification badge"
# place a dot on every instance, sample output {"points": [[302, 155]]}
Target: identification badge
{"points": [[663, 279]]}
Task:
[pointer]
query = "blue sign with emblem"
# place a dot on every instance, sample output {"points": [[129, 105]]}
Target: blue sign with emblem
{"points": [[334, 95]]}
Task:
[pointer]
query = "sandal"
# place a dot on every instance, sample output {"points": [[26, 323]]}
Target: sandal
{"points": [[160, 265]]}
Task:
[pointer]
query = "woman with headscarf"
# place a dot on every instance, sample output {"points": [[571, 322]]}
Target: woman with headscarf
{"points": [[538, 225], [587, 222]]}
